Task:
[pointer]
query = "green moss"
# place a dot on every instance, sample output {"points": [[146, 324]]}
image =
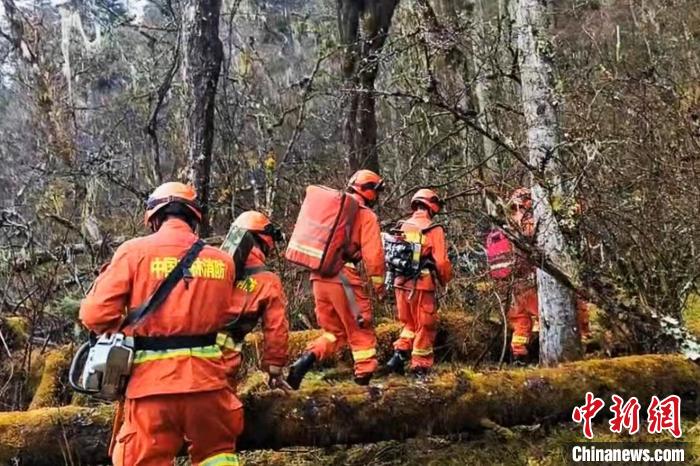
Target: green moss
{"points": [[529, 445], [51, 390], [691, 314], [15, 330]]}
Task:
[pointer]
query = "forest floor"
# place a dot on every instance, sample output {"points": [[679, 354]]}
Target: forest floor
{"points": [[524, 445], [537, 444]]}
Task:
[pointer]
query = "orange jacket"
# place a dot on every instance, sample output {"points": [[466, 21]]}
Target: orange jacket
{"points": [[525, 224], [204, 306], [434, 248], [366, 246], [260, 295]]}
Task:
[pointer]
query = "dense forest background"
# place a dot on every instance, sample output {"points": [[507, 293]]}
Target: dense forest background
{"points": [[94, 109]]}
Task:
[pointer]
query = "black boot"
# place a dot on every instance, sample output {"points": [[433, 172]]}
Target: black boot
{"points": [[421, 373], [299, 369], [397, 362], [363, 380], [520, 361]]}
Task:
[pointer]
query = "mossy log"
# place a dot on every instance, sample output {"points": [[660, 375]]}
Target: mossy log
{"points": [[15, 331], [52, 390], [392, 409], [461, 337]]}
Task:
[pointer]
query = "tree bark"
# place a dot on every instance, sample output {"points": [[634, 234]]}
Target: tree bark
{"points": [[363, 28], [559, 335], [201, 65], [396, 409], [483, 90]]}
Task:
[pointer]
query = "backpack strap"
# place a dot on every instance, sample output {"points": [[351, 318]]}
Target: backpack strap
{"points": [[250, 271], [432, 226], [181, 270]]}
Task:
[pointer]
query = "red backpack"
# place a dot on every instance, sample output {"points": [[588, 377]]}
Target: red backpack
{"points": [[322, 232], [500, 255]]}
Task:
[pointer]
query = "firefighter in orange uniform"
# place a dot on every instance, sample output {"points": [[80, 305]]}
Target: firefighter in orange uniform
{"points": [[258, 295], [415, 297], [177, 392], [523, 315], [343, 308]]}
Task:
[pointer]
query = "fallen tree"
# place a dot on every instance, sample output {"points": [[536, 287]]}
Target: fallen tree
{"points": [[461, 337], [52, 389], [393, 409]]}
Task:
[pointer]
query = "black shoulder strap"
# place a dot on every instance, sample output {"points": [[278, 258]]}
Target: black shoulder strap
{"points": [[182, 269], [250, 271]]}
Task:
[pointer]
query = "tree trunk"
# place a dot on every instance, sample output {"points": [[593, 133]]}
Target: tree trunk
{"points": [[559, 335], [363, 28], [201, 66], [483, 90], [452, 402]]}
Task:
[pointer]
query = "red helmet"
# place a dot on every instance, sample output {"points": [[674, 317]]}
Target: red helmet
{"points": [[260, 224], [367, 184], [428, 198], [170, 192], [521, 199]]}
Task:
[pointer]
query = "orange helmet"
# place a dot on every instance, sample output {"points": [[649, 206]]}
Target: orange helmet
{"points": [[428, 198], [258, 223], [170, 192], [521, 199], [367, 184]]}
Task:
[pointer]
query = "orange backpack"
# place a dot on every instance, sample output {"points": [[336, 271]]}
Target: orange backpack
{"points": [[322, 232]]}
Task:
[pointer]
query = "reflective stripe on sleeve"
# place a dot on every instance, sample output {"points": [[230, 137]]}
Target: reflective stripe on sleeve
{"points": [[405, 333], [377, 279], [202, 352]]}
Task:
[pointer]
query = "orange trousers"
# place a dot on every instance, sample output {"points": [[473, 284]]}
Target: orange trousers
{"points": [[336, 318], [417, 313], [156, 427], [524, 318]]}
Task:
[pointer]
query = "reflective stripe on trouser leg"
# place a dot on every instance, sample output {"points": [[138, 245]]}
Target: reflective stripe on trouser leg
{"points": [[362, 355], [222, 459], [518, 345], [422, 351], [423, 310], [403, 314]]}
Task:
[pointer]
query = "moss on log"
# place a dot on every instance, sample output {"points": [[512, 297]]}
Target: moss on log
{"points": [[393, 409], [459, 401], [461, 337], [52, 390], [15, 331], [52, 436]]}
